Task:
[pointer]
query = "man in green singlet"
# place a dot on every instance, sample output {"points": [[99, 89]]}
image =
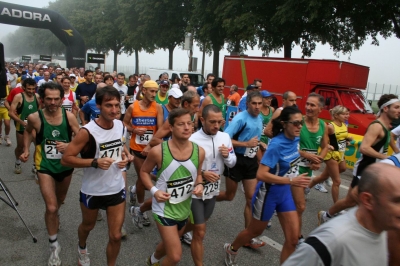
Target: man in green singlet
{"points": [[53, 126], [21, 107], [179, 176], [216, 97], [313, 135]]}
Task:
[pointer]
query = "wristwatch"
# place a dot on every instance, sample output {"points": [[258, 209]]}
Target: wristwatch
{"points": [[94, 163]]}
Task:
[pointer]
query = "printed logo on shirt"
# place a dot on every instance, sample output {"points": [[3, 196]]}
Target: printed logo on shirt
{"points": [[318, 140], [144, 121], [231, 150], [55, 133]]}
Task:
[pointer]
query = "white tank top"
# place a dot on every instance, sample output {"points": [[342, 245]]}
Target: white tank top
{"points": [[69, 100], [108, 143]]}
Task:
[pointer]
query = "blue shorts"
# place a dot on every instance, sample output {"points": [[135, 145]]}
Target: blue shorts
{"points": [[267, 198], [102, 202]]}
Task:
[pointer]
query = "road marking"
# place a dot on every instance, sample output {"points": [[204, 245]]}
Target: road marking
{"points": [[271, 242]]}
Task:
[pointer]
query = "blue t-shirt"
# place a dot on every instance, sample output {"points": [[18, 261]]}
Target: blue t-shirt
{"points": [[200, 91], [282, 156], [247, 125], [91, 109], [37, 78], [242, 104]]}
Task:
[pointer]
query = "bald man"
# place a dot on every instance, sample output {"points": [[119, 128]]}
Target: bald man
{"points": [[357, 237]]}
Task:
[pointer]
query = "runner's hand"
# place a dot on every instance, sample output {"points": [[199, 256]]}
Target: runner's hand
{"points": [[130, 158], [198, 190], [301, 181], [161, 196], [104, 163], [253, 142], [140, 131], [24, 157], [224, 151], [314, 158], [210, 176], [124, 162], [146, 150], [315, 166], [61, 146]]}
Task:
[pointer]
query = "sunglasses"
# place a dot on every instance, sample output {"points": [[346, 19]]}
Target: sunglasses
{"points": [[295, 123]]}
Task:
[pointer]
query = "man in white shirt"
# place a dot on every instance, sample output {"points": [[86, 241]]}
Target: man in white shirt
{"points": [[12, 77], [123, 90], [46, 78]]}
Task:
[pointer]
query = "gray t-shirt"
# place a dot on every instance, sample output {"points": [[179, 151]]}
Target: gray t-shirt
{"points": [[347, 243], [13, 79]]}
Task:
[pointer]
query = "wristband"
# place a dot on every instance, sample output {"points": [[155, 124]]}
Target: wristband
{"points": [[153, 190]]}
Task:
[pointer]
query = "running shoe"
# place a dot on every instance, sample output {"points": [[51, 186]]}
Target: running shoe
{"points": [[146, 220], [132, 196], [17, 168], [83, 258], [54, 259], [124, 233], [323, 217], [148, 262], [34, 171], [137, 216], [187, 238], [269, 225], [230, 256], [8, 141], [255, 243], [307, 191], [320, 187], [99, 215], [328, 182]]}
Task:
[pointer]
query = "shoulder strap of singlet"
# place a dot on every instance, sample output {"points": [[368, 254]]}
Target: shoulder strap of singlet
{"points": [[69, 129], [39, 135], [395, 160]]}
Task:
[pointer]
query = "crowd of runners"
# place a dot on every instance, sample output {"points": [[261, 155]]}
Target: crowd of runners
{"points": [[181, 148]]}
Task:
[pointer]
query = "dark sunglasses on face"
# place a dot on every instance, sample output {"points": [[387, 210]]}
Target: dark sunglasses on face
{"points": [[295, 123]]}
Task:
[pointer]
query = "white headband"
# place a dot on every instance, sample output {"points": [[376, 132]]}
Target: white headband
{"points": [[386, 104]]}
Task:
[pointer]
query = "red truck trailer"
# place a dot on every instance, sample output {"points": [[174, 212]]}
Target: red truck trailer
{"points": [[339, 82]]}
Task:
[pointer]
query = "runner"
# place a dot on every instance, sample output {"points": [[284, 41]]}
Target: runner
{"points": [[334, 160], [123, 90], [85, 90], [53, 127], [218, 151], [69, 100], [90, 109], [243, 101], [22, 106], [161, 96], [142, 119], [314, 135], [6, 118], [179, 162], [357, 237], [289, 99], [216, 98], [373, 148], [245, 132], [277, 174], [266, 112], [102, 157], [234, 96]]}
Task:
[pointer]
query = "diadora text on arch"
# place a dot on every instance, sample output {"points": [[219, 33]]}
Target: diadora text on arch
{"points": [[15, 13]]}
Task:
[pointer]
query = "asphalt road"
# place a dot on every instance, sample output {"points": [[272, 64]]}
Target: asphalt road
{"points": [[17, 247]]}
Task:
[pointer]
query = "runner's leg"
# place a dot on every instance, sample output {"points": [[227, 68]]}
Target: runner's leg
{"points": [[229, 194], [249, 188], [290, 226], [300, 202], [115, 219]]}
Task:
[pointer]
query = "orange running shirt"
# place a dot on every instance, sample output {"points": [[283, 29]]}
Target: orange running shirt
{"points": [[143, 119]]}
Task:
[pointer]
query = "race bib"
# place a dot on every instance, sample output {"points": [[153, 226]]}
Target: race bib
{"points": [[180, 190], [228, 103], [131, 99], [2, 102], [294, 168], [262, 132], [68, 108], [251, 152], [342, 145], [145, 138], [303, 161], [211, 189], [50, 150], [111, 149]]}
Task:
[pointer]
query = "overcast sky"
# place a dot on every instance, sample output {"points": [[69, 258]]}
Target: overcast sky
{"points": [[383, 60]]}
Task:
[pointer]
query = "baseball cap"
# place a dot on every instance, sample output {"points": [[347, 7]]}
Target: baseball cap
{"points": [[251, 87], [44, 66], [150, 84], [265, 94], [175, 86], [164, 83], [72, 75], [175, 92], [58, 68]]}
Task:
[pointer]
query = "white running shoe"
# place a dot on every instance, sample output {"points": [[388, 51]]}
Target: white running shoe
{"points": [[146, 220], [320, 187], [322, 217], [187, 238], [328, 182], [132, 196], [54, 259], [99, 215], [83, 258], [124, 233], [137, 216], [230, 256], [8, 141], [269, 225], [17, 168]]}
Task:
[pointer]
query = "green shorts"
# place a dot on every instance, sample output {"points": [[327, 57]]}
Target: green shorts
{"points": [[303, 170]]}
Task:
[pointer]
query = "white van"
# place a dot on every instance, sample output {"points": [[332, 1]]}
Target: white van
{"points": [[196, 79]]}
